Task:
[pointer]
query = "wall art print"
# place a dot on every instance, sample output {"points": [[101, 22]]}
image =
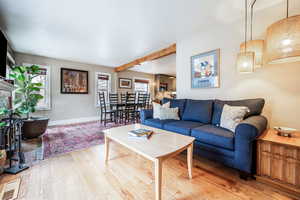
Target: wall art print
{"points": [[205, 68]]}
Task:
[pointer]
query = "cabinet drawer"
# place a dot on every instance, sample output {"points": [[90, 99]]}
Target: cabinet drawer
{"points": [[282, 150]]}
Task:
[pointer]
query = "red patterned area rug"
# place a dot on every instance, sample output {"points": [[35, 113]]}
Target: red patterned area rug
{"points": [[63, 139]]}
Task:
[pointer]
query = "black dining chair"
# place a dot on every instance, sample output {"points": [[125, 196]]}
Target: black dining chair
{"points": [[141, 103], [148, 101], [129, 112], [123, 98], [141, 100], [113, 100], [105, 111], [116, 105]]}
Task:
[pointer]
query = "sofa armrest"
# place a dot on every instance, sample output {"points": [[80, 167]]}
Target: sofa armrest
{"points": [[146, 114], [251, 127], [245, 134]]}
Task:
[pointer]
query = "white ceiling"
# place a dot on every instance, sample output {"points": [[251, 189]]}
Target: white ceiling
{"points": [[110, 32]]}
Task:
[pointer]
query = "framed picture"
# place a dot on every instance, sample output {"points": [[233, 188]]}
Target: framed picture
{"points": [[125, 83], [205, 68], [74, 81]]}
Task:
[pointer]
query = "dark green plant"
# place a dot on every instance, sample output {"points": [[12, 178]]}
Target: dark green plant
{"points": [[3, 113], [27, 92]]}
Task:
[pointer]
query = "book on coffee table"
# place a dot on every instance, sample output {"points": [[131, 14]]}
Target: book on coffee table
{"points": [[140, 133]]}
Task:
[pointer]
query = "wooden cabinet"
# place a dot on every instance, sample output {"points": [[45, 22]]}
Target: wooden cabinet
{"points": [[278, 161]]}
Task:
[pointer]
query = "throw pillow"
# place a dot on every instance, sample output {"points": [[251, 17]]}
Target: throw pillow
{"points": [[156, 109], [232, 115], [169, 113]]}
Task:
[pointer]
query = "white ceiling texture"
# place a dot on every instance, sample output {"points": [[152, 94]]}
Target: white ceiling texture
{"points": [[110, 32]]}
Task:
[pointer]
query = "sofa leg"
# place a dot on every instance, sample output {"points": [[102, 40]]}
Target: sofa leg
{"points": [[246, 176]]}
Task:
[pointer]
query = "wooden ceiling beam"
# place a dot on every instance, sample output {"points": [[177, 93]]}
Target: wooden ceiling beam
{"points": [[153, 56]]}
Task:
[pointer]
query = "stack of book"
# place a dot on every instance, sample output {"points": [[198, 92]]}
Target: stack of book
{"points": [[140, 134]]}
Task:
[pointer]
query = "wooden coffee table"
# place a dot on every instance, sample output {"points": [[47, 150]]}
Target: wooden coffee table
{"points": [[161, 146]]}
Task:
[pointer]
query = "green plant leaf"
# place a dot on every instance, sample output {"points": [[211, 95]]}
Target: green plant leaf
{"points": [[23, 110], [2, 124], [3, 111], [34, 89], [14, 76], [37, 84], [21, 77], [36, 96], [17, 101]]}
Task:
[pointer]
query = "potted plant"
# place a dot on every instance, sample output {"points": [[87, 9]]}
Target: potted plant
{"points": [[26, 99]]}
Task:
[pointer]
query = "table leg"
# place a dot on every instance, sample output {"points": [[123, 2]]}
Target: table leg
{"points": [[190, 160], [106, 148], [158, 178]]}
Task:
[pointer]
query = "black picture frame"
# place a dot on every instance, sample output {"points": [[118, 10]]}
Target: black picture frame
{"points": [[72, 90], [124, 80]]}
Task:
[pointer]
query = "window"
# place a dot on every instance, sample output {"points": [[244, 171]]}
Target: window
{"points": [[103, 84], [44, 78], [10, 62], [141, 85]]}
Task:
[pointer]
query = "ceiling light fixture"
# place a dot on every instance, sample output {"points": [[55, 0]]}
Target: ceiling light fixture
{"points": [[245, 59], [255, 46], [283, 40]]}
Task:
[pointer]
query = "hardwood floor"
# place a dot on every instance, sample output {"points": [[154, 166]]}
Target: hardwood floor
{"points": [[83, 175]]}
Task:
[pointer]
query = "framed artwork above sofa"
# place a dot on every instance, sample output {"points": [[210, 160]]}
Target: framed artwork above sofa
{"points": [[205, 70]]}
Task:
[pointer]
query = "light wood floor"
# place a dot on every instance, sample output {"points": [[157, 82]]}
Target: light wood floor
{"points": [[82, 175]]}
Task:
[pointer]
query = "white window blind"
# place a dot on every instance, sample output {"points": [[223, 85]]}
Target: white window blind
{"points": [[103, 84], [141, 85], [44, 78]]}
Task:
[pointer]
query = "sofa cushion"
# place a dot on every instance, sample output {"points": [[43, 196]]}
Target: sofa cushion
{"points": [[176, 103], [198, 111], [157, 123], [232, 116], [183, 127], [255, 106], [213, 135], [157, 107]]}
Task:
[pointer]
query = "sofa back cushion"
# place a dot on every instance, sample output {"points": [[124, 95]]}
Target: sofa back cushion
{"points": [[176, 103], [255, 106], [198, 111]]}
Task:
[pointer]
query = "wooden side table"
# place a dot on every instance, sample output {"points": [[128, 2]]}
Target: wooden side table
{"points": [[278, 161]]}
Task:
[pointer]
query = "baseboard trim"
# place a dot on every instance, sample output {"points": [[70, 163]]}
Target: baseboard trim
{"points": [[72, 121]]}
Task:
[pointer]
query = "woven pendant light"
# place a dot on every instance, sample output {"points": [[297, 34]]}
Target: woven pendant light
{"points": [[245, 59], [245, 62], [283, 40], [255, 46]]}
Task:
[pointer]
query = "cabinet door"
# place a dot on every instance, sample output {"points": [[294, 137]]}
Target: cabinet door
{"points": [[265, 164], [292, 166], [264, 158], [277, 162]]}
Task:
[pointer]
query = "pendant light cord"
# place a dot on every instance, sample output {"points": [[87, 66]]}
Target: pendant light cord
{"points": [[287, 8], [246, 14], [252, 5]]}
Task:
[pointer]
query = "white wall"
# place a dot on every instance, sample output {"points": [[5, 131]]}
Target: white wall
{"points": [[132, 75], [278, 84], [67, 108]]}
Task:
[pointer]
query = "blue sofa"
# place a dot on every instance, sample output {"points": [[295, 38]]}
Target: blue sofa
{"points": [[201, 119]]}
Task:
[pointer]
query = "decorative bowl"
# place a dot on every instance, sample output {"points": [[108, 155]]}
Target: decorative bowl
{"points": [[285, 131]]}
